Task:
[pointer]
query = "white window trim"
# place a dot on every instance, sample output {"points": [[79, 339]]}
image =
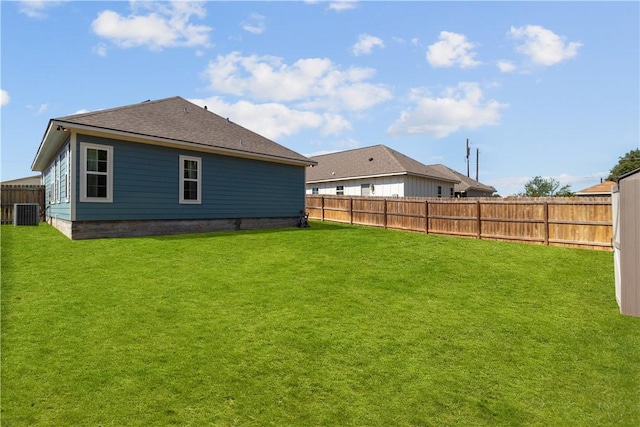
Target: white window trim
{"points": [[182, 200], [54, 181], [68, 175], [83, 173], [59, 178]]}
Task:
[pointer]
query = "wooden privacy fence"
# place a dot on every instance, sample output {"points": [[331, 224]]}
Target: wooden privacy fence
{"points": [[557, 221], [12, 194]]}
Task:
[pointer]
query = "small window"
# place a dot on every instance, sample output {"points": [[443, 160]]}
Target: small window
{"points": [[451, 192], [315, 190], [190, 180], [55, 197], [96, 184], [62, 178], [340, 190], [52, 187], [67, 182], [439, 190]]}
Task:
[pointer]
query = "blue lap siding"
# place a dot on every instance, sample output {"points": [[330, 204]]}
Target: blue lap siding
{"points": [[58, 202], [146, 185]]}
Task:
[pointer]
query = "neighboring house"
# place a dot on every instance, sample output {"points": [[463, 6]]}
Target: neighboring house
{"points": [[467, 187], [603, 189], [165, 167], [30, 180], [376, 171]]}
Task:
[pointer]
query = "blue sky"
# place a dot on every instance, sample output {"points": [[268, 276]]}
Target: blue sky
{"points": [[539, 88]]}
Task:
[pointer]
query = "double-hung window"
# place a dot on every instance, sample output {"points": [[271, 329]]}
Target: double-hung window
{"points": [[190, 180], [55, 197], [96, 184], [62, 178], [67, 181], [340, 190]]}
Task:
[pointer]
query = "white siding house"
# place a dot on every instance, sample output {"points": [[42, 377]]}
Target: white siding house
{"points": [[377, 171]]}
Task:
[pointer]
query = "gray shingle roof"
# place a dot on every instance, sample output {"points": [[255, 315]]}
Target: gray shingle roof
{"points": [[377, 160], [179, 120], [466, 183]]}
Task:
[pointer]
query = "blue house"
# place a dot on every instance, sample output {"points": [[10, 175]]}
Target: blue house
{"points": [[165, 167]]}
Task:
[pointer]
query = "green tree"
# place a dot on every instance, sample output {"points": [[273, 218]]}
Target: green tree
{"points": [[627, 163], [545, 187]]}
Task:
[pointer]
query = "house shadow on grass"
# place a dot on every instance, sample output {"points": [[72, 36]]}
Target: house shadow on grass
{"points": [[313, 227]]}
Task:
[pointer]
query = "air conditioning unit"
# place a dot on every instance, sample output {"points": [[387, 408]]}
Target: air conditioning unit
{"points": [[26, 214]]}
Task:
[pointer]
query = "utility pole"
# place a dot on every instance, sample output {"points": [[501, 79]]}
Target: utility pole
{"points": [[467, 157], [477, 162]]}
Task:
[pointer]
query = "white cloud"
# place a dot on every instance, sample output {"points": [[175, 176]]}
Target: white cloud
{"points": [[542, 46], [37, 8], [506, 66], [342, 5], [40, 109], [341, 145], [312, 82], [452, 49], [4, 98], [256, 24], [460, 107], [155, 25], [365, 44], [100, 49], [273, 120]]}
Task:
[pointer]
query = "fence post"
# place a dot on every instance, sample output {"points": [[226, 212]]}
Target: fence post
{"points": [[426, 217], [546, 223], [322, 208], [351, 210], [384, 213], [478, 219]]}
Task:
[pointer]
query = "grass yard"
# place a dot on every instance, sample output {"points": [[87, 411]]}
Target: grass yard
{"points": [[335, 325]]}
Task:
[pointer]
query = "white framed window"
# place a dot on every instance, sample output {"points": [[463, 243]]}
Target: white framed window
{"points": [[96, 163], [61, 178], [340, 190], [439, 190], [315, 190], [55, 182], [52, 185], [68, 174], [190, 180]]}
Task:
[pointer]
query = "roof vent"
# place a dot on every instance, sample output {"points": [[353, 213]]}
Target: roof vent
{"points": [[228, 121], [205, 107], [185, 110]]}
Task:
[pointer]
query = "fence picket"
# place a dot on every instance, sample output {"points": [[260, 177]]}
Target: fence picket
{"points": [[562, 221]]}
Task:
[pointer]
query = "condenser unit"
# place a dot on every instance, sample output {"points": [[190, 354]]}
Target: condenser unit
{"points": [[26, 214]]}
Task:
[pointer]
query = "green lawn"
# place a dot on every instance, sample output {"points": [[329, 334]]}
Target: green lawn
{"points": [[334, 325]]}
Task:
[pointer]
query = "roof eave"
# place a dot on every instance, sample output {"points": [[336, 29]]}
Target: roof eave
{"points": [[51, 142], [155, 140], [318, 181]]}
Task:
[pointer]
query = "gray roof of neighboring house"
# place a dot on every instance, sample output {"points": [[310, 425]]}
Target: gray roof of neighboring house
{"points": [[173, 121], [466, 183], [374, 161]]}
